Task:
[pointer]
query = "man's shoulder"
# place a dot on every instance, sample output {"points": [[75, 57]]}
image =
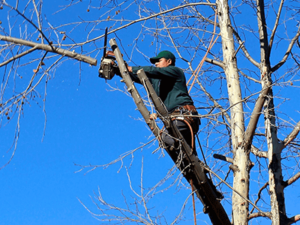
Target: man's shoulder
{"points": [[175, 69], [145, 68]]}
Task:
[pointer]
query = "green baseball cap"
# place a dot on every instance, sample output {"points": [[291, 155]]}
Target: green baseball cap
{"points": [[163, 54]]}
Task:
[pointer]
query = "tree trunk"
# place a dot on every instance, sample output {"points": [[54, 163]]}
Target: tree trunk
{"points": [[275, 171], [240, 207], [278, 214]]}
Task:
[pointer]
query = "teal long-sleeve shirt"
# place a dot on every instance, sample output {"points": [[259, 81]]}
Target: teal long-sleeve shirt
{"points": [[169, 83]]}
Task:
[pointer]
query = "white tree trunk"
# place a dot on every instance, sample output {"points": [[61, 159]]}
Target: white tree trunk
{"points": [[241, 157]]}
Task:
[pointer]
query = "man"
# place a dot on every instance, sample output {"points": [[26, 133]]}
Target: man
{"points": [[169, 83]]}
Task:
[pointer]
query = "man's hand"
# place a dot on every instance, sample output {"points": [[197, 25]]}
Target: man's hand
{"points": [[111, 53], [153, 116], [129, 68]]}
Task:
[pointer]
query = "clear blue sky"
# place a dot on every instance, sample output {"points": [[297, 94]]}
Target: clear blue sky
{"points": [[87, 123]]}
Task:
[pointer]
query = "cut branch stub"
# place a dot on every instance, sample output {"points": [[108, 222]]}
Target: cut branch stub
{"points": [[222, 157]]}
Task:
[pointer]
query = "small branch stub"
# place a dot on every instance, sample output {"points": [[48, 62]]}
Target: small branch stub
{"points": [[234, 168], [222, 157]]}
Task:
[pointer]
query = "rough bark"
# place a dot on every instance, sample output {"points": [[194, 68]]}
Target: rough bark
{"points": [[241, 158], [276, 186], [278, 213]]}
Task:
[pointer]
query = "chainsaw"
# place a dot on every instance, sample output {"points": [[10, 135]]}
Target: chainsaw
{"points": [[108, 65]]}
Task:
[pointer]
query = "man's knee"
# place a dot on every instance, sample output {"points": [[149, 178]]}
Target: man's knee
{"points": [[167, 139]]}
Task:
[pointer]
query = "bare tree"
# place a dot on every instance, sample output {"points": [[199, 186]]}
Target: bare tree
{"points": [[242, 59]]}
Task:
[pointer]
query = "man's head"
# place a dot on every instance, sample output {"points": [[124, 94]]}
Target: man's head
{"points": [[163, 59]]}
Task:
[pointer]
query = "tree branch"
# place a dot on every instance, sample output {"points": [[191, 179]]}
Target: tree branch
{"points": [[147, 18], [29, 21], [291, 180], [276, 25], [259, 214], [49, 48], [259, 193], [254, 117], [215, 62], [288, 52], [222, 180], [18, 56], [216, 104], [263, 34], [248, 56], [292, 135], [201, 16], [222, 157], [218, 63], [294, 219], [258, 153], [250, 78]]}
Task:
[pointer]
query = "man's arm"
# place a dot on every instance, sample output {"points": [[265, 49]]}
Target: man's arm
{"points": [[129, 68], [133, 76], [155, 72]]}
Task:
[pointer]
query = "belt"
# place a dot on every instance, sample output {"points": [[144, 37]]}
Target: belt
{"points": [[190, 108], [186, 110]]}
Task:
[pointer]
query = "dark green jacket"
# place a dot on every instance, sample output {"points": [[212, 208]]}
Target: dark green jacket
{"points": [[169, 84]]}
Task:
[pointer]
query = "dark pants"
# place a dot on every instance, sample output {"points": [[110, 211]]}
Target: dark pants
{"points": [[184, 130]]}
